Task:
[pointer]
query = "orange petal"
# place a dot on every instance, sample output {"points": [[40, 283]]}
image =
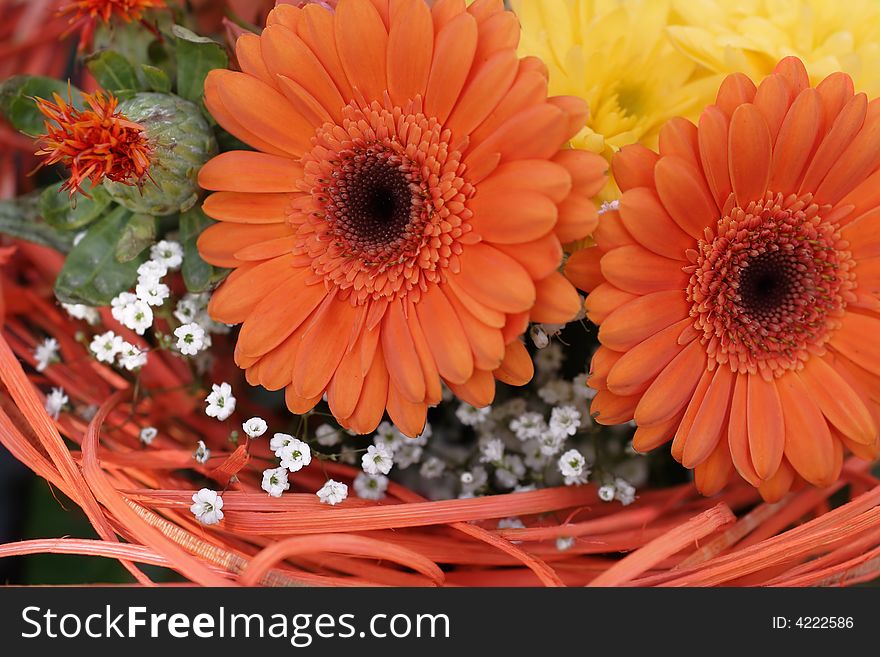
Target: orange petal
{"points": [[736, 89], [322, 347], [250, 59], [633, 166], [512, 216], [835, 92], [247, 171], [611, 409], [276, 367], [246, 287], [454, 49], [856, 163], [557, 301], [844, 130], [478, 391], [219, 243], [547, 178], [489, 316], [374, 395], [316, 29], [299, 405], [509, 288], [772, 99], [712, 475], [401, 359], [749, 149], [589, 172], [244, 208], [711, 420], [489, 83], [738, 431], [793, 71], [673, 387], [583, 268], [647, 438], [766, 426], [690, 414], [433, 389], [639, 366], [487, 344], [517, 368], [445, 336], [408, 416], [678, 136], [578, 218], [855, 340], [838, 401], [639, 271], [362, 44], [600, 365], [279, 313], [685, 195], [611, 233], [796, 142], [777, 485], [540, 257], [604, 300], [808, 443], [410, 49], [347, 383], [647, 220], [639, 319]]}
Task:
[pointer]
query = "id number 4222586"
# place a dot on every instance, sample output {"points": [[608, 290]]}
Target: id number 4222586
{"points": [[814, 623]]}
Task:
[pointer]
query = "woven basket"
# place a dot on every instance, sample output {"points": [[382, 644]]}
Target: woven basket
{"points": [[668, 537]]}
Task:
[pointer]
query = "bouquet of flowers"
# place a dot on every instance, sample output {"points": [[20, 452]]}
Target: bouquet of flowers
{"points": [[427, 293]]}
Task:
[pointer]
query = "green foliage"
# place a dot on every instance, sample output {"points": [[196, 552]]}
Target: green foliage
{"points": [[198, 275], [21, 218], [114, 73], [138, 235], [196, 56], [156, 79], [60, 212], [17, 100], [92, 274]]}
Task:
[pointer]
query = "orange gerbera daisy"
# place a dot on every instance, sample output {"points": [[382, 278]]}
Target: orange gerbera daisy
{"points": [[404, 218], [94, 143], [736, 290], [88, 13]]}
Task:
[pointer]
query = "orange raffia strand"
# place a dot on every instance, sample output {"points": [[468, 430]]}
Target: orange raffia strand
{"points": [[674, 537], [94, 143]]}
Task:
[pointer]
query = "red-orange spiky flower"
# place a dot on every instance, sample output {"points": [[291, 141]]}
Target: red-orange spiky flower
{"points": [[87, 14], [95, 143]]}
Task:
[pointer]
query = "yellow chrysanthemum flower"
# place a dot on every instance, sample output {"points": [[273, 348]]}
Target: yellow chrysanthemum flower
{"points": [[752, 35], [616, 54]]}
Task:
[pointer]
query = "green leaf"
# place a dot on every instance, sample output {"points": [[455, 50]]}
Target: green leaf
{"points": [[17, 100], [156, 79], [62, 213], [20, 217], [139, 234], [92, 275], [196, 56], [198, 275], [113, 72]]}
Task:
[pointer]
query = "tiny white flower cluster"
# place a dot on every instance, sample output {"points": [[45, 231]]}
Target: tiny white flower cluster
{"points": [[148, 435], [619, 489], [55, 402], [221, 402], [83, 312], [46, 353], [112, 349], [207, 506]]}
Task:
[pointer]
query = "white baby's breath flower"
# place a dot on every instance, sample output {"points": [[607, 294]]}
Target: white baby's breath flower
{"points": [[624, 492], [573, 467], [511, 523], [388, 435], [221, 403], [148, 435], [551, 442], [565, 420], [295, 455], [473, 480], [55, 402], [280, 440], [549, 360], [132, 357], [167, 253], [606, 492], [152, 292], [407, 454], [470, 416], [138, 316], [432, 467], [510, 471], [81, 311], [151, 271], [609, 206], [106, 346], [255, 427], [327, 435], [46, 353], [581, 389], [332, 492], [528, 426], [377, 460], [118, 304], [491, 451], [564, 543], [190, 339], [556, 392], [275, 481], [207, 506], [202, 453], [370, 487], [191, 308]]}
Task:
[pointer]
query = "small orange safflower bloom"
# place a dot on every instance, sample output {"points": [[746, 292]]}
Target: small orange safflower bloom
{"points": [[736, 290], [87, 14], [403, 218], [95, 143]]}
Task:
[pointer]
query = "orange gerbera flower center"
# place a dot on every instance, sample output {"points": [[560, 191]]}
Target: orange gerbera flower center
{"points": [[385, 202], [95, 143], [769, 284]]}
